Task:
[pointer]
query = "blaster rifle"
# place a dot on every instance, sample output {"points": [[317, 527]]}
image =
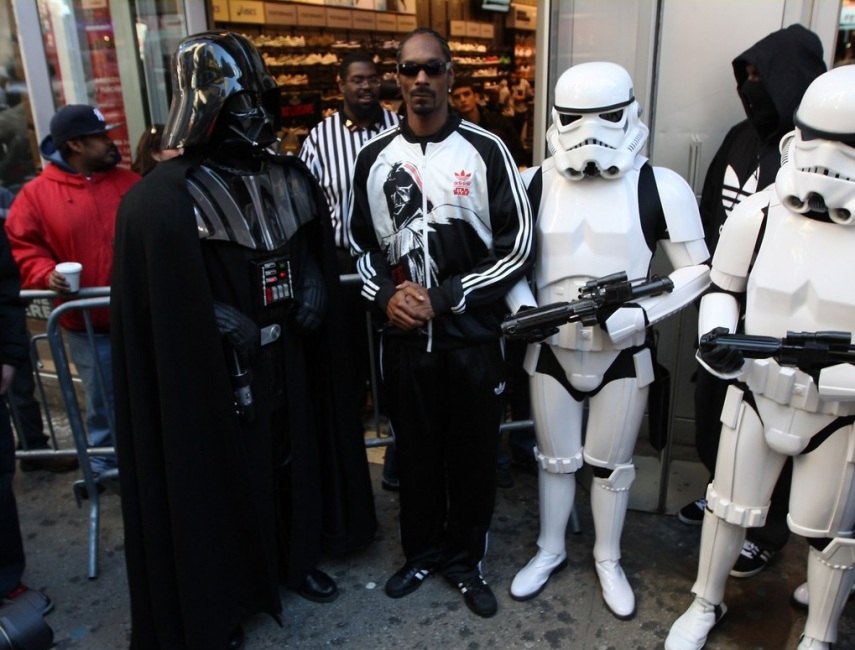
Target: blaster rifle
{"points": [[598, 299], [809, 351]]}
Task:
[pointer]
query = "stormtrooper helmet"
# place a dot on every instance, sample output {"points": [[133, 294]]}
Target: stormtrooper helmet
{"points": [[220, 76], [817, 171], [596, 130]]}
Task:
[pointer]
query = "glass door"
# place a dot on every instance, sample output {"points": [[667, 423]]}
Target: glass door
{"points": [[112, 54]]}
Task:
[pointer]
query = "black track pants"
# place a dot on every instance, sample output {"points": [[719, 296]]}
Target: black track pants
{"points": [[445, 408]]}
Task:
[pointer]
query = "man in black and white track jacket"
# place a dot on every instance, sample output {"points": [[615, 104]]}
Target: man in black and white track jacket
{"points": [[442, 227]]}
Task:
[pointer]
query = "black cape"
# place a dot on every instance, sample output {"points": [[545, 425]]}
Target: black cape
{"points": [[203, 494]]}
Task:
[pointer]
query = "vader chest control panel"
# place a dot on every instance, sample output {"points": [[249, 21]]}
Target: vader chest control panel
{"points": [[274, 278]]}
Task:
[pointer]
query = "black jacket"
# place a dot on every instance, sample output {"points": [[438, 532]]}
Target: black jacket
{"points": [[478, 226]]}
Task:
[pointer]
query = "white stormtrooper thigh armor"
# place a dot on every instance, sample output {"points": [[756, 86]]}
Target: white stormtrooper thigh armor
{"points": [[557, 424], [825, 475], [747, 468], [611, 432]]}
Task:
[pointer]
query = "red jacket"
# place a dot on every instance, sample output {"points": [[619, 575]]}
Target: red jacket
{"points": [[61, 216]]}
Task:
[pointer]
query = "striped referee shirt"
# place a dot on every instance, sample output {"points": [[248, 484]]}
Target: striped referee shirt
{"points": [[330, 151]]}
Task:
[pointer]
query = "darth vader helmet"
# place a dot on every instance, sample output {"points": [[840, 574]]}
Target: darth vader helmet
{"points": [[817, 171], [596, 128], [219, 80]]}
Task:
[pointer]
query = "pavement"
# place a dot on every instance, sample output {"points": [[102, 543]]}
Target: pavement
{"points": [[660, 559]]}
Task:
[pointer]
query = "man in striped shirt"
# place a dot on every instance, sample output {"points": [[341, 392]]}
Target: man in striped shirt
{"points": [[331, 147], [329, 151]]}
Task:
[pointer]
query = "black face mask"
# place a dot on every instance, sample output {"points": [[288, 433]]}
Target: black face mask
{"points": [[759, 107]]}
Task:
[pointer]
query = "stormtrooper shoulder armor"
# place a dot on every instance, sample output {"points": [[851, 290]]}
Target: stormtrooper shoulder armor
{"points": [[679, 205], [739, 240]]}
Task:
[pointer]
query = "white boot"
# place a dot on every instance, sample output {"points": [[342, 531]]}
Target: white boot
{"points": [[721, 543], [830, 578], [532, 578], [609, 499], [801, 595], [616, 590], [557, 492], [690, 631], [808, 643]]}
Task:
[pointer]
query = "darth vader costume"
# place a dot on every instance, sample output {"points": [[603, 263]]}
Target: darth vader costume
{"points": [[239, 458]]}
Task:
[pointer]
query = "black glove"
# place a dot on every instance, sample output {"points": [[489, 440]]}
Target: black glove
{"points": [[239, 331], [722, 358], [241, 342], [537, 334], [311, 299]]}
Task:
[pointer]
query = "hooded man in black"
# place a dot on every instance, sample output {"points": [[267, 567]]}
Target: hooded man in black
{"points": [[771, 77]]}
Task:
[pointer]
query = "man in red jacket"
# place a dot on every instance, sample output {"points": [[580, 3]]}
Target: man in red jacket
{"points": [[68, 214]]}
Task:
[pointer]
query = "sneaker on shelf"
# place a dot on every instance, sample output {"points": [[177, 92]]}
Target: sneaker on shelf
{"points": [[751, 561], [22, 593], [692, 514]]}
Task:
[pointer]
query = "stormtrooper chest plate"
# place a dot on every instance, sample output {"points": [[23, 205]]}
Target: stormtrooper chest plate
{"points": [[801, 279], [588, 229], [585, 230]]}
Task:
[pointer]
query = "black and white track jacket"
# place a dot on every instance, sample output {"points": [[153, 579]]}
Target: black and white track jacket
{"points": [[449, 212]]}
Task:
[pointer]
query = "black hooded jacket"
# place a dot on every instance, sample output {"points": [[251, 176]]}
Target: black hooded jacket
{"points": [[748, 159]]}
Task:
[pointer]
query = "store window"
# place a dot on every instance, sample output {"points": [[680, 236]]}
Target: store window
{"points": [[18, 155], [113, 54], [83, 62], [844, 53]]}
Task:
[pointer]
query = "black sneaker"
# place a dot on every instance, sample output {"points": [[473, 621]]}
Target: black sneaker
{"points": [[692, 514], [406, 580], [478, 596], [390, 484], [751, 561]]}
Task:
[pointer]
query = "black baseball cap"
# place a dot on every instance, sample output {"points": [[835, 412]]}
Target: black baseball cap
{"points": [[76, 121]]}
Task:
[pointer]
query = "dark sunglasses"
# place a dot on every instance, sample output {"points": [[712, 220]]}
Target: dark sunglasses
{"points": [[432, 69]]}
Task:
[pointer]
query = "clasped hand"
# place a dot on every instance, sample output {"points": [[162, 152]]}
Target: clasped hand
{"points": [[410, 307]]}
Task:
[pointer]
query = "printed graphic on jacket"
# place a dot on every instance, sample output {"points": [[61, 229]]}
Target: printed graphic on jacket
{"points": [[408, 205], [733, 191]]}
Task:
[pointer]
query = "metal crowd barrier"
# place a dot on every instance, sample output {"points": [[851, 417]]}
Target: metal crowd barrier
{"points": [[87, 488]]}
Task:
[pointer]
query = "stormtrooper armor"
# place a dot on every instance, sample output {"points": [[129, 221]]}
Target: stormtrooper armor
{"points": [[790, 411], [590, 224], [595, 128]]}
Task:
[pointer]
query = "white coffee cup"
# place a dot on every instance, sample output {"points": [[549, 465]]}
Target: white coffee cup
{"points": [[71, 272]]}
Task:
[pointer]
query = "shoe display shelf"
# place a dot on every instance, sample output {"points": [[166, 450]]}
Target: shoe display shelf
{"points": [[306, 67]]}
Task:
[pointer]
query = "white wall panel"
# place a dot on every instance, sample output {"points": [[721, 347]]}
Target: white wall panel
{"points": [[696, 99]]}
